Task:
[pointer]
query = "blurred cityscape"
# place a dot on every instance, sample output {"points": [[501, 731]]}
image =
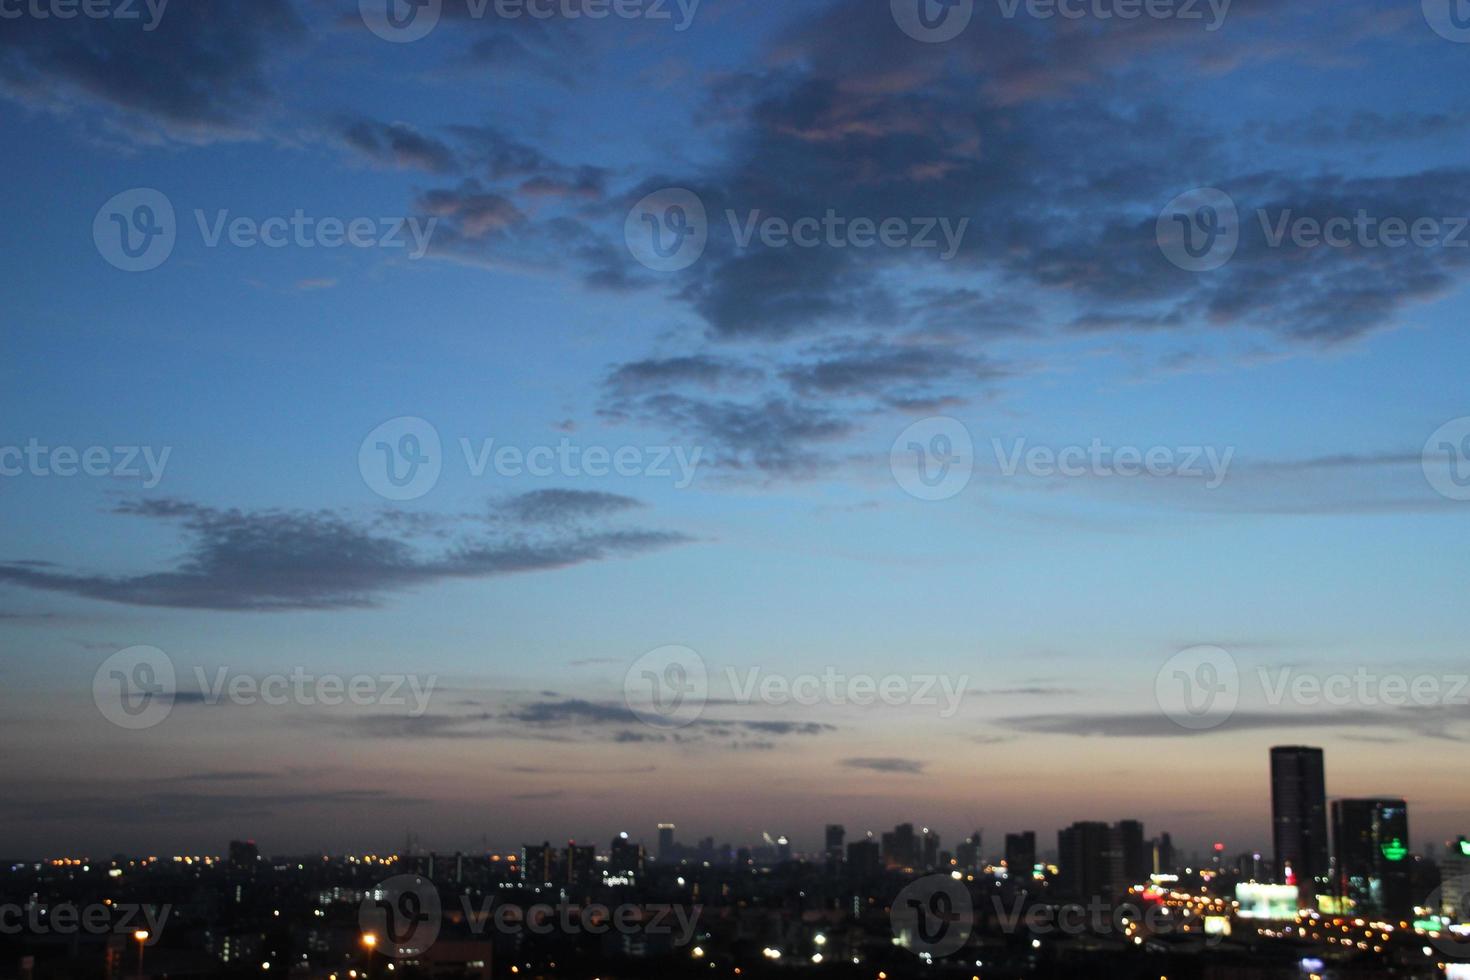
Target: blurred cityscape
{"points": [[1342, 894]]}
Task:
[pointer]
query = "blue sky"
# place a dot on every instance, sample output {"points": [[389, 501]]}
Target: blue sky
{"points": [[1060, 321]]}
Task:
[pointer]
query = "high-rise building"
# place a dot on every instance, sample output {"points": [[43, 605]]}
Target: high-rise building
{"points": [[1021, 855], [900, 847], [581, 864], [1089, 859], [929, 860], [538, 863], [666, 843], [1374, 869], [244, 856], [864, 858], [1164, 861], [1455, 881], [1136, 856], [1098, 860], [625, 858], [969, 855], [1299, 816], [836, 833]]}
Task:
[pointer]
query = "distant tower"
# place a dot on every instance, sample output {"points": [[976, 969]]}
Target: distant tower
{"points": [[665, 843], [1374, 866], [1299, 816]]}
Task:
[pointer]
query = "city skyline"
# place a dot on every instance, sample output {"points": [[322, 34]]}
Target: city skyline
{"points": [[438, 418]]}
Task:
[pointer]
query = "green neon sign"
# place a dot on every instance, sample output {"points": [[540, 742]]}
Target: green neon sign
{"points": [[1465, 847], [1395, 850]]}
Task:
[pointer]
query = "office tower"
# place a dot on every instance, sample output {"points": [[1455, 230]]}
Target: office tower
{"points": [[864, 858], [1090, 861], [625, 858], [244, 855], [1455, 881], [969, 854], [783, 848], [1373, 865], [666, 843], [836, 833], [930, 857], [1164, 862], [1135, 855], [900, 847], [581, 864], [1021, 855], [1299, 816], [1098, 860], [538, 863]]}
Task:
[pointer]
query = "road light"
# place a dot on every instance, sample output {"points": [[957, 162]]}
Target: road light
{"points": [[142, 937]]}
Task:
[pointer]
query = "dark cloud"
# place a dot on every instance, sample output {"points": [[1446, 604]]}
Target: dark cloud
{"points": [[399, 145], [880, 367], [263, 561], [775, 435], [552, 506], [887, 764], [203, 72], [1439, 722], [660, 374]]}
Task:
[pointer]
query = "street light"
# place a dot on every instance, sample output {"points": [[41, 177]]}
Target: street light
{"points": [[142, 937]]}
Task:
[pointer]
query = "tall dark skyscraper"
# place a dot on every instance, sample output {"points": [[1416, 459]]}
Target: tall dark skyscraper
{"points": [[864, 859], [836, 833], [1135, 853], [1021, 855], [969, 854], [1088, 859], [901, 847], [1299, 815], [1374, 868], [666, 843]]}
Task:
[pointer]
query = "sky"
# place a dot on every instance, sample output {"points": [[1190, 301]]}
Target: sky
{"points": [[390, 461]]}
